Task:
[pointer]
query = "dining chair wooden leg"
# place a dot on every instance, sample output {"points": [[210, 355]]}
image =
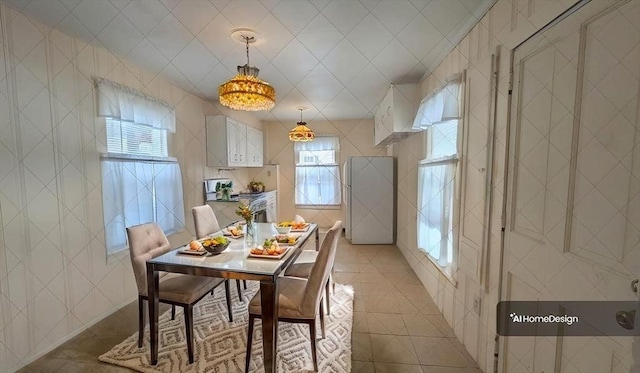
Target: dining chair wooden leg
{"points": [[333, 278], [188, 324], [227, 292], [328, 297], [249, 342], [140, 320], [314, 352], [244, 282], [322, 320], [239, 291], [173, 312]]}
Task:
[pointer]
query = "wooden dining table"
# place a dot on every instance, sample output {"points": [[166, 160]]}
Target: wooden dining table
{"points": [[233, 263]]}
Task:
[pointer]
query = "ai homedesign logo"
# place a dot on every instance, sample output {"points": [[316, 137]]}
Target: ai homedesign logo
{"points": [[548, 319]]}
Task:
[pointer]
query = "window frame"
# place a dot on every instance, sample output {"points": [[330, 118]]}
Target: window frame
{"points": [[448, 271], [112, 156], [335, 164]]}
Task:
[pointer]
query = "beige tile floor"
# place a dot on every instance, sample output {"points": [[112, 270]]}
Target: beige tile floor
{"points": [[397, 327]]}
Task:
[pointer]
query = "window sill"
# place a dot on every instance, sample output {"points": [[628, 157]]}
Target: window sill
{"points": [[444, 271]]}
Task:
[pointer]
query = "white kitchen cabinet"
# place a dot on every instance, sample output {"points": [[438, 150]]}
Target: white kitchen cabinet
{"points": [[254, 147], [395, 114], [232, 144], [272, 206]]}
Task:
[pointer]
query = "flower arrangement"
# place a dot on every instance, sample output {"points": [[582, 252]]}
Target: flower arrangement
{"points": [[245, 212], [256, 186]]}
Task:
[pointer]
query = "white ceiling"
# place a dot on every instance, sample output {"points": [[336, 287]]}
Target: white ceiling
{"points": [[337, 57]]}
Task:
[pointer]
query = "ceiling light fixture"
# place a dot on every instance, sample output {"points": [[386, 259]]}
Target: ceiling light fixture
{"points": [[246, 91], [301, 132]]}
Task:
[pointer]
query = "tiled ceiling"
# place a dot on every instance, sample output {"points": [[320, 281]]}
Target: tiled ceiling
{"points": [[336, 57]]}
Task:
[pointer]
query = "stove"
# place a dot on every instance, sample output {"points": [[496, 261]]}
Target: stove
{"points": [[258, 204]]}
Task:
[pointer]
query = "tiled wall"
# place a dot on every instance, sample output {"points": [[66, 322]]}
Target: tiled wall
{"points": [[508, 23], [356, 139], [55, 278]]}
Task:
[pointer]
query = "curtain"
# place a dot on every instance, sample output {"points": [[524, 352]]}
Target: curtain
{"points": [[127, 104], [435, 209], [137, 192], [441, 106], [318, 185]]}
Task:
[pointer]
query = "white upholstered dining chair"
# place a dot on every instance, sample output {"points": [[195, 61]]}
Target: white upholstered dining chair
{"points": [[300, 299], [147, 241], [206, 224], [303, 265]]}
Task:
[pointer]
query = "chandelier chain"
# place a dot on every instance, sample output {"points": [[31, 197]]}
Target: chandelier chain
{"points": [[246, 39]]}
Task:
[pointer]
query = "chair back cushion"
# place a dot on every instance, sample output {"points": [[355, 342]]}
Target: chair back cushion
{"points": [[321, 270], [205, 221], [146, 241]]}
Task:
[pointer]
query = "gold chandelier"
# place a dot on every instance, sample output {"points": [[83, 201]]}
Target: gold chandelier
{"points": [[246, 91], [301, 132]]}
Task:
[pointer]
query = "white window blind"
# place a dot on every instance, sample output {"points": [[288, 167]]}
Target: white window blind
{"points": [[317, 172], [135, 139]]}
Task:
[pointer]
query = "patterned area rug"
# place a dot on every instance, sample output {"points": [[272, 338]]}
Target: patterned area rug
{"points": [[220, 346]]}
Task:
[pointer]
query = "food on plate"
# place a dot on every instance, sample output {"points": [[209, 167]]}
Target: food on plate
{"points": [[284, 238], [298, 225], [292, 224], [235, 231], [216, 241], [195, 246], [269, 247]]}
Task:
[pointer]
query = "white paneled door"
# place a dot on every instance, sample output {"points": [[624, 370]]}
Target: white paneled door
{"points": [[573, 216]]}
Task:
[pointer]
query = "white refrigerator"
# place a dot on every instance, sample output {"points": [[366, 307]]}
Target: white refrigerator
{"points": [[369, 198]]}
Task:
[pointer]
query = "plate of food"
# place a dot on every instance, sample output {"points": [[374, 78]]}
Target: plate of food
{"points": [[193, 248], [269, 249], [287, 238], [299, 227], [233, 232], [295, 226]]}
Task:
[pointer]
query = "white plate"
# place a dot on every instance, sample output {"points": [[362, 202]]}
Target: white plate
{"points": [[270, 256], [186, 250], [296, 236], [303, 229]]}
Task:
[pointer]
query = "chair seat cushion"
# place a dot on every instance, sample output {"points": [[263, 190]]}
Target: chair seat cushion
{"points": [[186, 289], [290, 293]]}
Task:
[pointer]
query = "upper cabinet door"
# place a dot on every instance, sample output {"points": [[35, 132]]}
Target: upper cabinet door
{"points": [[255, 149], [232, 144], [236, 144]]}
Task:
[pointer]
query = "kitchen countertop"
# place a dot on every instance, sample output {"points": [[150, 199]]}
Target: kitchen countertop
{"points": [[237, 197]]}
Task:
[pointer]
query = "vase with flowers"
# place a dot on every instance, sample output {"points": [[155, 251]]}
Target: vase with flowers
{"points": [[245, 212]]}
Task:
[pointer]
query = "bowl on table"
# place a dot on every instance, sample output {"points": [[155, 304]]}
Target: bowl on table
{"points": [[216, 245], [283, 230]]}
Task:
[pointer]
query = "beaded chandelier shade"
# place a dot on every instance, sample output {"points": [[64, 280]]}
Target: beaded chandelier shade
{"points": [[246, 91], [301, 132]]}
